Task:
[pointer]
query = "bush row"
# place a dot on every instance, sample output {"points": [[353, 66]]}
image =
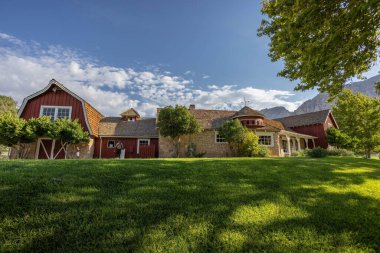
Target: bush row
{"points": [[320, 152]]}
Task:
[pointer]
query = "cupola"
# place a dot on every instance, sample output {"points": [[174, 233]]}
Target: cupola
{"points": [[130, 115], [249, 117]]}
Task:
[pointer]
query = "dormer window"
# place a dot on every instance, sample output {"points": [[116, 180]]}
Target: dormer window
{"points": [[131, 119]]}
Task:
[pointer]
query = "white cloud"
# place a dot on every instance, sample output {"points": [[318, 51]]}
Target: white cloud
{"points": [[27, 67], [205, 76]]}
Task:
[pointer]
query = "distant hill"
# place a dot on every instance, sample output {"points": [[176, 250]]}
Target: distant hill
{"points": [[319, 102]]}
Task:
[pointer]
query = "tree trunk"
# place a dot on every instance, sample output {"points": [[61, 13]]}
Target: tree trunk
{"points": [[178, 144], [368, 153]]}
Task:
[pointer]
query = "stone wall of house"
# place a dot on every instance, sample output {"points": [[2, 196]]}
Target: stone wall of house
{"points": [[205, 143], [275, 151], [86, 150]]}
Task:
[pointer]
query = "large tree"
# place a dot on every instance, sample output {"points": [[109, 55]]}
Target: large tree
{"points": [[323, 43], [358, 116], [174, 122], [233, 132], [7, 104]]}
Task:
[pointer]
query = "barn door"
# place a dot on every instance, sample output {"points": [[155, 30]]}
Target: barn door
{"points": [[48, 148], [44, 148]]}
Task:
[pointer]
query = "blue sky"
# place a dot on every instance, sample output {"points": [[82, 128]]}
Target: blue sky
{"points": [[210, 47]]}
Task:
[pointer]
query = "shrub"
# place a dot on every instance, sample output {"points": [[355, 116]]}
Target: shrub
{"points": [[317, 152], [340, 152], [261, 152], [301, 153], [249, 145]]}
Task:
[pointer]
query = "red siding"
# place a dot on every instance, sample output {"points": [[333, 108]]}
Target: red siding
{"points": [[130, 145], [314, 130], [58, 98], [318, 130]]}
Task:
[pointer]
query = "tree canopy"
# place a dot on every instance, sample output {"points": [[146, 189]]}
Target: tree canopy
{"points": [[323, 43], [7, 104], [358, 116], [339, 139], [177, 121]]}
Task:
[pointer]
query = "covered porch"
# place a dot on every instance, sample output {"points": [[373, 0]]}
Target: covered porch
{"points": [[291, 142]]}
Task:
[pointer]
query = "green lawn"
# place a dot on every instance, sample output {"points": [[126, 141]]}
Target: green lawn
{"points": [[188, 205]]}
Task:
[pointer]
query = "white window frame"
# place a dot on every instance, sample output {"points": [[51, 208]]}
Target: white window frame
{"points": [[219, 142], [266, 134], [138, 144], [114, 144], [55, 110]]}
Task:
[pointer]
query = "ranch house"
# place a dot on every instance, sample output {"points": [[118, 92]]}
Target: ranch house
{"points": [[133, 136]]}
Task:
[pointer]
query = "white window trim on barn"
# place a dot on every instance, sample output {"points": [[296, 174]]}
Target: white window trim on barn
{"points": [[138, 144], [55, 110]]}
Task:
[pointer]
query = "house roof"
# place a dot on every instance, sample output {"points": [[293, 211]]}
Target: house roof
{"points": [[211, 119], [115, 126], [247, 111], [91, 115], [130, 113], [312, 118]]}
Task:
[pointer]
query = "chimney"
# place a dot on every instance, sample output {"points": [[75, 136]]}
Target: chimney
{"points": [[192, 107]]}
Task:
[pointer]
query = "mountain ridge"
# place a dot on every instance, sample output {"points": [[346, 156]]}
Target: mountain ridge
{"points": [[319, 102]]}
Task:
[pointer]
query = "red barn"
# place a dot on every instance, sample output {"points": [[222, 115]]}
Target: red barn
{"points": [[314, 123], [56, 101]]}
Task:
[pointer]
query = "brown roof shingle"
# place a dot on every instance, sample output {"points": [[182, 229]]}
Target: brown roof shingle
{"points": [[247, 111], [305, 119], [211, 119], [114, 126]]}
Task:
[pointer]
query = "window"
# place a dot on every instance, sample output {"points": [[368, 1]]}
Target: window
{"points": [[219, 139], [111, 144], [56, 112], [131, 119], [63, 113], [142, 142], [265, 140]]}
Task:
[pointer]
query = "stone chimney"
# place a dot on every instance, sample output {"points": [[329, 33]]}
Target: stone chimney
{"points": [[192, 107]]}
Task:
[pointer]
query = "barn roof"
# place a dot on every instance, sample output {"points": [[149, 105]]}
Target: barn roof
{"points": [[306, 119], [115, 126]]}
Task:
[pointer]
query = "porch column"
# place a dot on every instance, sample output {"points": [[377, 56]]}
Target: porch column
{"points": [[298, 144], [288, 142], [307, 143], [313, 143], [294, 144]]}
